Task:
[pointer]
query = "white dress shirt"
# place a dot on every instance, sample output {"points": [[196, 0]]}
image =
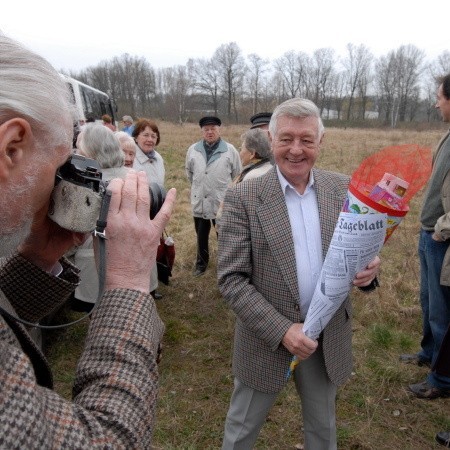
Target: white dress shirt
{"points": [[303, 213]]}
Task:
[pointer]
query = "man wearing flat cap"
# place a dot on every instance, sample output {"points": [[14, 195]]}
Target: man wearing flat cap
{"points": [[261, 120], [211, 164]]}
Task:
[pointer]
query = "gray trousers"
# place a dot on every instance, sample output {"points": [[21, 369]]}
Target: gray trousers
{"points": [[249, 408]]}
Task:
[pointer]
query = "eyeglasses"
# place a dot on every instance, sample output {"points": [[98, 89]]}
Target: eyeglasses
{"points": [[146, 136]]}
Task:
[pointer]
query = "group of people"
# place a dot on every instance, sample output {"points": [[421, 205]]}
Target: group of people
{"points": [[274, 232], [116, 152]]}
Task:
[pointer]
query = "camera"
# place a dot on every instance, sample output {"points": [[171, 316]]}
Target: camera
{"points": [[79, 192]]}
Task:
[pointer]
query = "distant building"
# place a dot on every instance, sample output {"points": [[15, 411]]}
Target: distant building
{"points": [[332, 114]]}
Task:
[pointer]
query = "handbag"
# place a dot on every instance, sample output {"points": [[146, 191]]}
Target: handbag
{"points": [[165, 258]]}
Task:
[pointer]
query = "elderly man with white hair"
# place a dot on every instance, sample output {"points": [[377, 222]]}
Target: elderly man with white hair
{"points": [[128, 125], [116, 381]]}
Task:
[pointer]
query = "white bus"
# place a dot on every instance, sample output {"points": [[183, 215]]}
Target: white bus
{"points": [[90, 102]]}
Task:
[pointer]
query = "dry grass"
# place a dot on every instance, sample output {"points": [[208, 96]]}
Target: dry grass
{"points": [[374, 411]]}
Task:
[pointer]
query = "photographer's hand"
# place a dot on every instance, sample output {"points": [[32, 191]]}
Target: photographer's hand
{"points": [[132, 238], [48, 242]]}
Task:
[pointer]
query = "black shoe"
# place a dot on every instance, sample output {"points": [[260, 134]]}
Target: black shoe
{"points": [[199, 272], [414, 358], [443, 438], [428, 391], [156, 295]]}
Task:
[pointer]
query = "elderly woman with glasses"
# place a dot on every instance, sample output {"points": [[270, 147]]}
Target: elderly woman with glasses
{"points": [[147, 137]]}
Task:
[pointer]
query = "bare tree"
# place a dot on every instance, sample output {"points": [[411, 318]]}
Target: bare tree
{"points": [[257, 66], [133, 82], [206, 81], [436, 69], [387, 86], [364, 84], [176, 85], [277, 88], [336, 94], [230, 65], [292, 68], [410, 67], [398, 76], [321, 72], [441, 66], [357, 65]]}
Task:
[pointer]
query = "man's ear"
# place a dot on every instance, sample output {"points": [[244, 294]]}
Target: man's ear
{"points": [[321, 138], [16, 143]]}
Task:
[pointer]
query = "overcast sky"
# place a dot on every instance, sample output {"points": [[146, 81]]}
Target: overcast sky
{"points": [[77, 34]]}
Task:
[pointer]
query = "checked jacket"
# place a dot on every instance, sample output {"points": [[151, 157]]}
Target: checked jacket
{"points": [[257, 278], [116, 381]]}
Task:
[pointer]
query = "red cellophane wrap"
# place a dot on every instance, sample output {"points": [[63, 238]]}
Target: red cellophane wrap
{"points": [[408, 162]]}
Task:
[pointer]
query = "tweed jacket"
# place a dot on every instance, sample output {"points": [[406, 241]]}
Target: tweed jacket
{"points": [[257, 277], [116, 381]]}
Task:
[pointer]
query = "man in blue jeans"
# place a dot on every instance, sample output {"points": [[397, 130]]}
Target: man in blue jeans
{"points": [[434, 255], [442, 367]]}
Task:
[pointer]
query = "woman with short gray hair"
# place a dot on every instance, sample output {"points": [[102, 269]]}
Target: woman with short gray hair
{"points": [[255, 154], [99, 143]]}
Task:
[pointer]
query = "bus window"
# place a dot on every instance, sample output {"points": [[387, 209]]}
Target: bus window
{"points": [[90, 102]]}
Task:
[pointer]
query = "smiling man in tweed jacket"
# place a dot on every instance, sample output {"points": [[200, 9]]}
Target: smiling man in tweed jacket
{"points": [[275, 232], [116, 382]]}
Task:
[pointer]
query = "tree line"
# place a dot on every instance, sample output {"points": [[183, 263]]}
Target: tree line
{"points": [[394, 88]]}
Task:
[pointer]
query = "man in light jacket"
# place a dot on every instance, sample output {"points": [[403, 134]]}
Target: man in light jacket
{"points": [[211, 164]]}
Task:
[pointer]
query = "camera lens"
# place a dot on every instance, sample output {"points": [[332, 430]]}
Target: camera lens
{"points": [[157, 197]]}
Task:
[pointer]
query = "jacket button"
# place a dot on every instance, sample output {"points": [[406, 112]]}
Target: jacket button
{"points": [[296, 307]]}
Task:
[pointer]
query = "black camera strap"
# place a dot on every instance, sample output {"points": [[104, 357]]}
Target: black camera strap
{"points": [[99, 232]]}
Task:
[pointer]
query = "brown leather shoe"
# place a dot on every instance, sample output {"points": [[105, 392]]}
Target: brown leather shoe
{"points": [[428, 391], [156, 295], [443, 438]]}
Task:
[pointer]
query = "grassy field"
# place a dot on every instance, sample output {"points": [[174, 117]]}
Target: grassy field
{"points": [[374, 409]]}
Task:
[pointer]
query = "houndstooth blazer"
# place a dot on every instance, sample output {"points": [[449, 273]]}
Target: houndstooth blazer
{"points": [[257, 278], [117, 377]]}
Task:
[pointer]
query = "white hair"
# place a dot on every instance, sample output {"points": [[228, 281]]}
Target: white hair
{"points": [[31, 88], [125, 140], [99, 142], [296, 107]]}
